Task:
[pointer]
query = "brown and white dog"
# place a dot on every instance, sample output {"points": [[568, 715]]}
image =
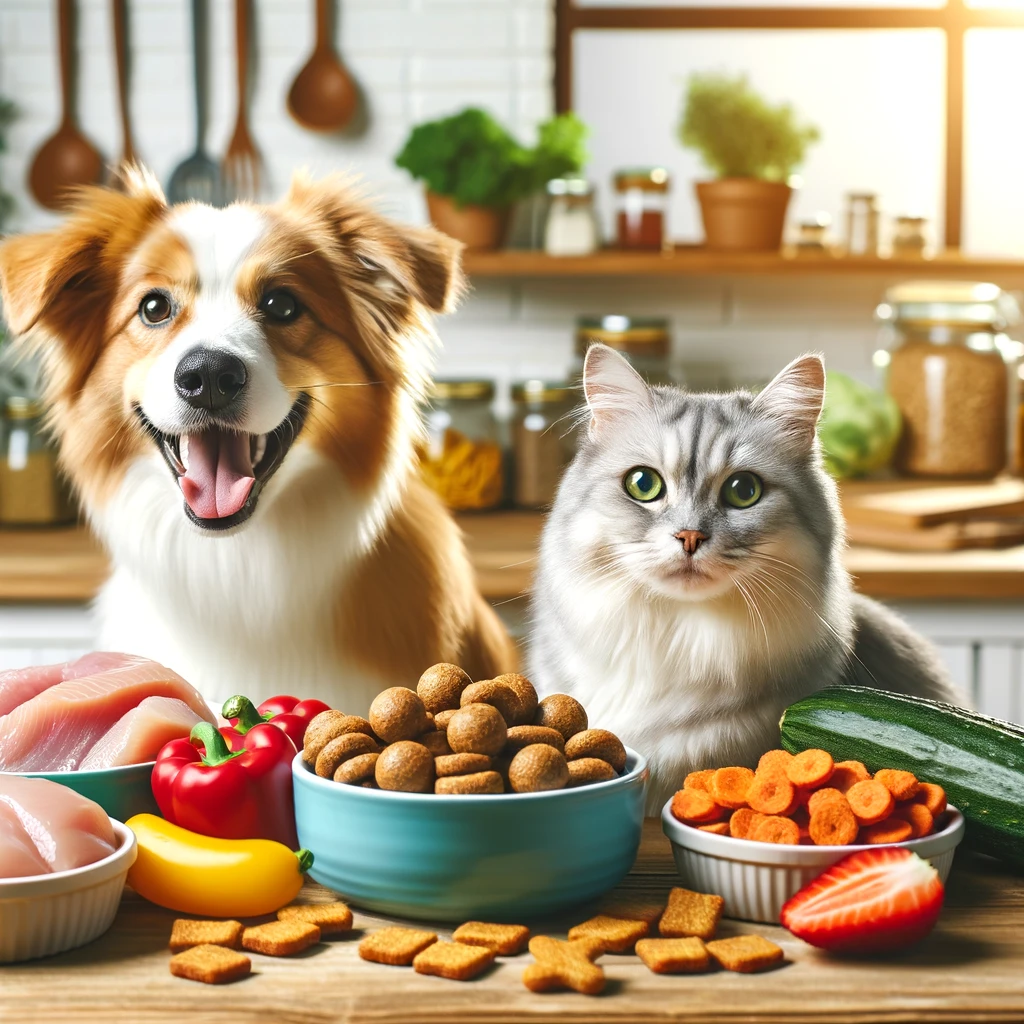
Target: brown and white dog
{"points": [[235, 393]]}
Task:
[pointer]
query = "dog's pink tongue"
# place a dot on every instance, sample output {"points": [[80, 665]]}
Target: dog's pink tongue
{"points": [[219, 475]]}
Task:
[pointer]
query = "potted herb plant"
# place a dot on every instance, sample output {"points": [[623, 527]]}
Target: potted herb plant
{"points": [[7, 114], [474, 170], [753, 148]]}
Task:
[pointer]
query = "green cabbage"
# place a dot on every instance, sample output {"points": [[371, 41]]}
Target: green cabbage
{"points": [[859, 427]]}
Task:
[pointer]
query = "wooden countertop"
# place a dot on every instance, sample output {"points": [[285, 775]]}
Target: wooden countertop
{"points": [[969, 969]]}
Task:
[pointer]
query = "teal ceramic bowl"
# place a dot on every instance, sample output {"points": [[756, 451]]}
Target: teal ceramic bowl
{"points": [[121, 792], [514, 856]]}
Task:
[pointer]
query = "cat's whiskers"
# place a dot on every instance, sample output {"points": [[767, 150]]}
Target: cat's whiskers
{"points": [[752, 609]]}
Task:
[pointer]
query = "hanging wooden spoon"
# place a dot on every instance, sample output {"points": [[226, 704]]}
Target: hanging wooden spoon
{"points": [[67, 159], [323, 97], [121, 57]]}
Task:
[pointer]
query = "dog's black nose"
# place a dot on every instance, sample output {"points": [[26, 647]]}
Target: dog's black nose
{"points": [[208, 378]]}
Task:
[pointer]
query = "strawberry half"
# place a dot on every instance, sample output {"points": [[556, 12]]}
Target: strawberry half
{"points": [[870, 901]]}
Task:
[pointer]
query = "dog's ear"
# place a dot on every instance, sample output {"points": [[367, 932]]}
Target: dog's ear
{"points": [[436, 268]]}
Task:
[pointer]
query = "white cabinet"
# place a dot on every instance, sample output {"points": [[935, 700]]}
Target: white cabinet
{"points": [[32, 634]]}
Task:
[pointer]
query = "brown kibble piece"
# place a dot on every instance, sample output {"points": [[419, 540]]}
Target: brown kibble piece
{"points": [[453, 960], [699, 780], [212, 965], [356, 770], [691, 914], [436, 742], [441, 686], [520, 736], [776, 829], [729, 787], [772, 793], [325, 727], [339, 750], [773, 761], [538, 768], [477, 729], [743, 821], [695, 807], [585, 771], [561, 712], [405, 766], [281, 938], [902, 785], [526, 694], [331, 918], [500, 939], [461, 764], [397, 713], [395, 946], [186, 933], [599, 743], [561, 965], [477, 784], [442, 718], [498, 695], [745, 953], [674, 956], [614, 934]]}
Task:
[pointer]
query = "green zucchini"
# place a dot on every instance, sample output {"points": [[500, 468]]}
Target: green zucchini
{"points": [[978, 761]]}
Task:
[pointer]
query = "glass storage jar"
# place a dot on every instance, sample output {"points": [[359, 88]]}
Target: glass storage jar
{"points": [[571, 227], [462, 460], [644, 341], [641, 208], [951, 371], [542, 439], [32, 489]]}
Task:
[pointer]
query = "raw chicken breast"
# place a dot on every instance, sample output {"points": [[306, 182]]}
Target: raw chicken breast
{"points": [[140, 734], [65, 829], [56, 729], [21, 684]]}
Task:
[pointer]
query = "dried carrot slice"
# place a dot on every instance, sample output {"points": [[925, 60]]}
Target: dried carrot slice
{"points": [[933, 796], [772, 793], [810, 769], [902, 785], [743, 821], [821, 796], [699, 780], [870, 802], [833, 823], [892, 830], [720, 828], [847, 774], [777, 830], [695, 807], [801, 815], [729, 786], [920, 818], [774, 760]]}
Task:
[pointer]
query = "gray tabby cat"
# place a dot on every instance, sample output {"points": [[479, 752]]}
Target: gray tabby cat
{"points": [[691, 584]]}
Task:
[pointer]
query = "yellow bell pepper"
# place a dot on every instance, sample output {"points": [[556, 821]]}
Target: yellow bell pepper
{"points": [[210, 877]]}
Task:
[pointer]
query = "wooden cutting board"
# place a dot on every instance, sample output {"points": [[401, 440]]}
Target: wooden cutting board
{"points": [[918, 507], [981, 533]]}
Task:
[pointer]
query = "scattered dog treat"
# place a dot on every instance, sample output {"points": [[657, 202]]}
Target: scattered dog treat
{"points": [[479, 783], [212, 965], [745, 953], [395, 946], [500, 939], [281, 938], [330, 918], [398, 713], [561, 965], [674, 956], [615, 934], [690, 914], [453, 960], [634, 908], [440, 688], [186, 933]]}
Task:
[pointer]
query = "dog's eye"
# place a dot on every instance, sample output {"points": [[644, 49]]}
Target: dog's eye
{"points": [[155, 308], [280, 305]]}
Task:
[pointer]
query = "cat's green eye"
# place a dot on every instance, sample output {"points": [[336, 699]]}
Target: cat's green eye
{"points": [[742, 490], [643, 483]]}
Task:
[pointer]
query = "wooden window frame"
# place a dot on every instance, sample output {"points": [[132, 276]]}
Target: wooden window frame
{"points": [[954, 20]]}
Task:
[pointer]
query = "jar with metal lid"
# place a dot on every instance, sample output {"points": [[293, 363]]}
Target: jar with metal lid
{"points": [[644, 341], [641, 207], [32, 489], [571, 227], [910, 237], [861, 224], [462, 461], [542, 439], [952, 372]]}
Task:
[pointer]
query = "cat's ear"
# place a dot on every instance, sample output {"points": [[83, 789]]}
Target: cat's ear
{"points": [[612, 387], [794, 398]]}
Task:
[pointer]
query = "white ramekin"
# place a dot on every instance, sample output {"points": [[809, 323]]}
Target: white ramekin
{"points": [[755, 879], [47, 914]]}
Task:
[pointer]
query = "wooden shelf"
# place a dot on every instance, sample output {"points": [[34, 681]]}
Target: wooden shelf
{"points": [[695, 261]]}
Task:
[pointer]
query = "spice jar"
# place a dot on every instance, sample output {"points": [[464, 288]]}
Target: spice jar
{"points": [[571, 226], [462, 461], [641, 207], [32, 489], [861, 224], [909, 237], [949, 374], [644, 341], [542, 441]]}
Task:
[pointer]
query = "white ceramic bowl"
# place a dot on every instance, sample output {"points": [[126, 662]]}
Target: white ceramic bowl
{"points": [[756, 879], [46, 914]]}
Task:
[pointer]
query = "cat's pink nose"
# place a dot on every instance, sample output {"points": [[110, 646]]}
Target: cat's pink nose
{"points": [[691, 539]]}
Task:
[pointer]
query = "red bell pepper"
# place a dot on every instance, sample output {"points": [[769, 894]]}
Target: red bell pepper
{"points": [[241, 794], [288, 713]]}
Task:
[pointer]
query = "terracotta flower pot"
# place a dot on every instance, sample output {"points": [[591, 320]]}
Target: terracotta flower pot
{"points": [[743, 213], [477, 227]]}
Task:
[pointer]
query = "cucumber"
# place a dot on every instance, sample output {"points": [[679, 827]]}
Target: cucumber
{"points": [[978, 761]]}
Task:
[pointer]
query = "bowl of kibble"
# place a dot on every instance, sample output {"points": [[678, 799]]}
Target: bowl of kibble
{"points": [[457, 800]]}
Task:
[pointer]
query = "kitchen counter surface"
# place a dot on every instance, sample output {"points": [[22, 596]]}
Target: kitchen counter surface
{"points": [[969, 969]]}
